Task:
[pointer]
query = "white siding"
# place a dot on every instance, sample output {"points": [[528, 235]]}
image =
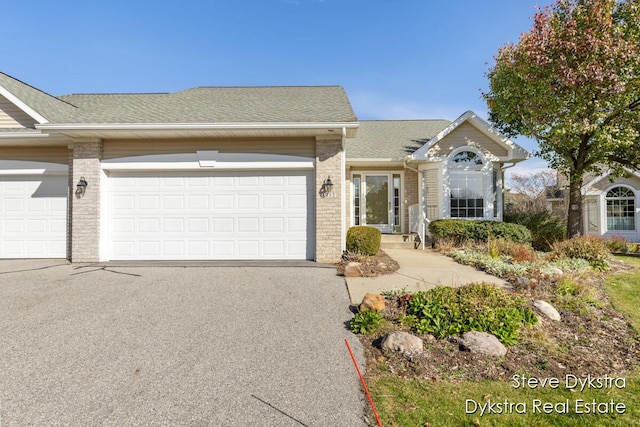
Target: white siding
{"points": [[11, 117]]}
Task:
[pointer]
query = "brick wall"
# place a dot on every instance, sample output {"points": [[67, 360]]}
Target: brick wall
{"points": [[328, 213], [85, 211]]}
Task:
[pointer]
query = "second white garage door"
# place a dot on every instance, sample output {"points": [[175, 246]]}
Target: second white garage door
{"points": [[200, 216]]}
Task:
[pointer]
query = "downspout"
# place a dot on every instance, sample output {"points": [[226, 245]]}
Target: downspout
{"points": [[502, 169], [423, 202], [343, 191], [423, 187]]}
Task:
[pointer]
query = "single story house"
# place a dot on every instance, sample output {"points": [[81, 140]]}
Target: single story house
{"points": [[611, 207], [229, 173]]}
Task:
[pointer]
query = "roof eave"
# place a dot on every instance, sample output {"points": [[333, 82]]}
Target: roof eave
{"points": [[23, 106], [259, 128]]}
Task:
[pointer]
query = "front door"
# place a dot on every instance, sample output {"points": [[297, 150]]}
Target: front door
{"points": [[379, 205]]}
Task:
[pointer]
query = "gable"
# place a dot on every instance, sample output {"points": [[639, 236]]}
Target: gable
{"points": [[604, 184], [12, 117], [467, 135]]}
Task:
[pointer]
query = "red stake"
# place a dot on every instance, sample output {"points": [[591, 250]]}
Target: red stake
{"points": [[364, 385]]}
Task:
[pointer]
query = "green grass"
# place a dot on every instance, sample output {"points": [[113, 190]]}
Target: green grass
{"points": [[624, 291], [403, 402]]}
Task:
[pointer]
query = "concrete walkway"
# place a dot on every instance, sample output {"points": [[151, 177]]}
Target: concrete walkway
{"points": [[419, 271]]}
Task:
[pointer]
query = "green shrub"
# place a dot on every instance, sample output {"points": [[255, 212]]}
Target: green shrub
{"points": [[519, 252], [483, 307], [617, 245], [500, 267], [365, 322], [590, 248], [545, 228], [363, 240], [460, 231]]}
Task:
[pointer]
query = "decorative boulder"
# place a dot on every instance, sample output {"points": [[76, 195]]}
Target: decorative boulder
{"points": [[402, 342], [482, 342], [554, 271], [353, 270], [547, 309], [372, 302], [523, 283]]}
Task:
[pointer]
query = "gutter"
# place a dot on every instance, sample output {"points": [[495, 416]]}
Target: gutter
{"points": [[196, 126]]}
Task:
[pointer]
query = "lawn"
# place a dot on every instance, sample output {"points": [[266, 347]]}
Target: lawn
{"points": [[602, 402], [624, 291]]}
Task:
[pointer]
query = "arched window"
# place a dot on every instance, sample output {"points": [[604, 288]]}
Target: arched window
{"points": [[466, 185], [621, 211]]}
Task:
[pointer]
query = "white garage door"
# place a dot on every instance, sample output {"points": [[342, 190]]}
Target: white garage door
{"points": [[199, 216], [33, 216]]}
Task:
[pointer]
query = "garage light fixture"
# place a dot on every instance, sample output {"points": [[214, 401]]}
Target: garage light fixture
{"points": [[81, 187], [327, 185]]}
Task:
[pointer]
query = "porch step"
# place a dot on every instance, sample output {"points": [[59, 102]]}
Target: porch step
{"points": [[399, 241]]}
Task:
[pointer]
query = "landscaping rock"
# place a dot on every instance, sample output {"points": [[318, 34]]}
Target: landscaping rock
{"points": [[523, 283], [372, 302], [554, 271], [402, 342], [482, 342], [547, 309], [353, 269]]}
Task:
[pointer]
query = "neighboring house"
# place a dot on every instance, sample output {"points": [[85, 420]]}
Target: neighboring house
{"points": [[228, 173], [612, 208]]}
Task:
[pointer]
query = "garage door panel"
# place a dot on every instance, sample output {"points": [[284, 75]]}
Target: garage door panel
{"points": [[248, 201], [223, 225], [148, 202], [33, 216], [227, 215], [198, 201], [273, 225], [224, 202], [173, 202]]}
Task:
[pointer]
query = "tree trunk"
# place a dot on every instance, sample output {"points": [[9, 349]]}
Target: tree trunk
{"points": [[574, 214]]}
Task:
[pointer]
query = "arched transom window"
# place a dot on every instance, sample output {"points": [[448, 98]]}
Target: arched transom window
{"points": [[621, 211], [466, 185]]}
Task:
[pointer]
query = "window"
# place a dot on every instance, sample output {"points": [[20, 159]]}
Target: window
{"points": [[621, 209], [356, 199], [592, 215], [396, 203], [466, 185]]}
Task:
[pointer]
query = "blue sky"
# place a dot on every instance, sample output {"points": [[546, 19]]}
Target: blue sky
{"points": [[403, 59]]}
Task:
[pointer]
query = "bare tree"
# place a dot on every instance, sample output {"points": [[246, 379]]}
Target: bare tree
{"points": [[531, 192]]}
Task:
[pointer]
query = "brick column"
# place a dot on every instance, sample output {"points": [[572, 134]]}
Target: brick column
{"points": [[85, 211], [328, 211]]}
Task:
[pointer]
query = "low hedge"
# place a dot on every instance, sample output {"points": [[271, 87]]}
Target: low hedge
{"points": [[458, 231], [363, 240]]}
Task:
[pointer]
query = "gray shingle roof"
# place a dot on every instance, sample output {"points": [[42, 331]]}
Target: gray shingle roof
{"points": [[50, 107], [392, 139], [277, 104]]}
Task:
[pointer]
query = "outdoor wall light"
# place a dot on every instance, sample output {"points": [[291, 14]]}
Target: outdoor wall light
{"points": [[327, 185], [81, 187]]}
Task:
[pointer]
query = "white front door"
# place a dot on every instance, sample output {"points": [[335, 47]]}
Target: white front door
{"points": [[377, 201]]}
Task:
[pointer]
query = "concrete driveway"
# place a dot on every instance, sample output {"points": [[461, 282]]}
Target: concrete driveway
{"points": [[174, 345]]}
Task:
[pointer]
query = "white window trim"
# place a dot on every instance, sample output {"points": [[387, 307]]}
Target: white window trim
{"points": [[376, 172], [487, 169], [604, 224]]}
